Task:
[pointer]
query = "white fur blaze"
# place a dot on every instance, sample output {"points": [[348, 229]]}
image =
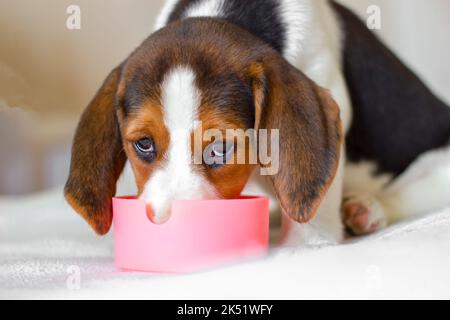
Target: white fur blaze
{"points": [[177, 180]]}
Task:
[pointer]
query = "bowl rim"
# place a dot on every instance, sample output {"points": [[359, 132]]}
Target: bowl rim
{"points": [[241, 198]]}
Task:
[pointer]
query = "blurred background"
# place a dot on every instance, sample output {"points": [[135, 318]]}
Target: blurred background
{"points": [[49, 73]]}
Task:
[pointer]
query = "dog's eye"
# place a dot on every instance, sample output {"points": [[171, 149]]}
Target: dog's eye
{"points": [[145, 149], [218, 153]]}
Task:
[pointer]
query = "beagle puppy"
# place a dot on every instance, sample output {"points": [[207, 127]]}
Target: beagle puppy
{"points": [[351, 117]]}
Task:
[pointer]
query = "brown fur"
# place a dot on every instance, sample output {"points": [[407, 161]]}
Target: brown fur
{"points": [[147, 123], [97, 159], [239, 174]]}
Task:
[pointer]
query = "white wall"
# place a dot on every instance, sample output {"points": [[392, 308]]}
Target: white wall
{"points": [[63, 68]]}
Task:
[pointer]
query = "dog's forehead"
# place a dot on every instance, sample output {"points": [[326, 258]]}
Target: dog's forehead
{"points": [[224, 91]]}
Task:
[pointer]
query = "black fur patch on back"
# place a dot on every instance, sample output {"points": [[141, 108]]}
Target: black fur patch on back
{"points": [[396, 118], [260, 17]]}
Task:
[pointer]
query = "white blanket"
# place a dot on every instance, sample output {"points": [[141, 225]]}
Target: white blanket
{"points": [[46, 251]]}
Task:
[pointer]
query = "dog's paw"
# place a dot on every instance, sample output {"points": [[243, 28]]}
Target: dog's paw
{"points": [[363, 215]]}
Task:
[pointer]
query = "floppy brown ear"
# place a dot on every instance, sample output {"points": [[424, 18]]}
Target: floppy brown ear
{"points": [[310, 134], [97, 158]]}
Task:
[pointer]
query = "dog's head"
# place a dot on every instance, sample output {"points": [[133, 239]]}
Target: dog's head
{"points": [[208, 73]]}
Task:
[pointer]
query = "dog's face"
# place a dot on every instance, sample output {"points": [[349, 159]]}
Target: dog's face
{"points": [[159, 123], [192, 77]]}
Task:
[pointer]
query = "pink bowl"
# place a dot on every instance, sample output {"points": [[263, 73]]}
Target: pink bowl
{"points": [[199, 234]]}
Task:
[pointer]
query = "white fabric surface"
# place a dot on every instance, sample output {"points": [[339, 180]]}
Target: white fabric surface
{"points": [[41, 238]]}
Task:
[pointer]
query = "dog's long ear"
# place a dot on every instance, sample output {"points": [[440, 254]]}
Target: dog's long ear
{"points": [[97, 158], [310, 134]]}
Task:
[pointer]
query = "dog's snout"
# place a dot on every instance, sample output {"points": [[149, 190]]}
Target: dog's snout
{"points": [[158, 216]]}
